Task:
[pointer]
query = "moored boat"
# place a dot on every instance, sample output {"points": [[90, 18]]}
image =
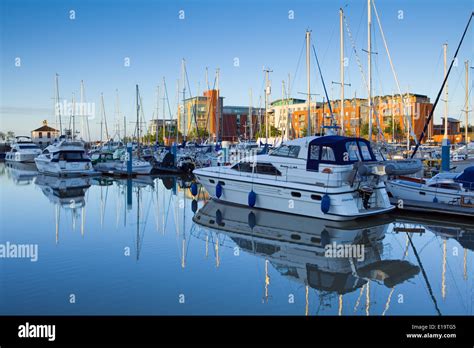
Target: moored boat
{"points": [[64, 157], [447, 193], [330, 177], [23, 150]]}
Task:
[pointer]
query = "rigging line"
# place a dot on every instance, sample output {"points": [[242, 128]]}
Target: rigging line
{"points": [[324, 85], [323, 59], [359, 64], [422, 135], [191, 96], [436, 71], [297, 66], [169, 111], [364, 10], [394, 72], [354, 50], [424, 274]]}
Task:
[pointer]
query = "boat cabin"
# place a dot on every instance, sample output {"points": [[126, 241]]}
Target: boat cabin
{"points": [[338, 150]]}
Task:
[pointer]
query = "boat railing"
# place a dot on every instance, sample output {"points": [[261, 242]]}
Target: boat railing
{"points": [[466, 185]]}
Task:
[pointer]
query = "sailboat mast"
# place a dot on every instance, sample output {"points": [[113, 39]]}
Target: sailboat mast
{"points": [[308, 82], [217, 106], [164, 116], [157, 114], [289, 124], [250, 117], [369, 64], [58, 106], [284, 134], [138, 120], [185, 134], [117, 110], [341, 17], [267, 93], [466, 125], [83, 132], [73, 133], [445, 53], [101, 116], [178, 113]]}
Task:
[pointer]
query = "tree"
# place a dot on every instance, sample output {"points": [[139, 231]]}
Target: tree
{"points": [[198, 134], [262, 133], [395, 129], [303, 132], [364, 129], [10, 135], [3, 136]]}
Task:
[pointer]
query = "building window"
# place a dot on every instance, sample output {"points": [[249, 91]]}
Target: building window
{"points": [[49, 135], [40, 134]]}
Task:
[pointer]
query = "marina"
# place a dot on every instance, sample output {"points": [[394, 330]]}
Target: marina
{"points": [[307, 165], [103, 238]]}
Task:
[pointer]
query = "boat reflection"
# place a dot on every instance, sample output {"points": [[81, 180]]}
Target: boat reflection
{"points": [[66, 192], [21, 173], [460, 229], [303, 248]]}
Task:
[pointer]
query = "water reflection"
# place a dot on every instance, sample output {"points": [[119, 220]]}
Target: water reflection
{"points": [[152, 238], [302, 249], [21, 173]]}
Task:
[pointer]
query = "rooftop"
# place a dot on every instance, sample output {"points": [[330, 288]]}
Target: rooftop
{"points": [[45, 128]]}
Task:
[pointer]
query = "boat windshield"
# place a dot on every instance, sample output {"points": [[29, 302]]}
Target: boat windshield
{"points": [[364, 149], [291, 151], [28, 146], [71, 156], [352, 151]]}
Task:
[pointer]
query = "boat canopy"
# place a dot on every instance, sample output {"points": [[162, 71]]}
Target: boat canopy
{"points": [[466, 178], [338, 150]]}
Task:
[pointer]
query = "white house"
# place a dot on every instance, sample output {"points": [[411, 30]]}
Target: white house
{"points": [[44, 135]]}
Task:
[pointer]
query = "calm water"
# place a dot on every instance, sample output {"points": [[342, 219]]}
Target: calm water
{"points": [[118, 247]]}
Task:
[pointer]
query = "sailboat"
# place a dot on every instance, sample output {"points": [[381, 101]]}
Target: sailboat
{"points": [[117, 162], [446, 192]]}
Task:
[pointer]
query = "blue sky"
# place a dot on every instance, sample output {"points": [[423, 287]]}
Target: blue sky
{"points": [[93, 46]]}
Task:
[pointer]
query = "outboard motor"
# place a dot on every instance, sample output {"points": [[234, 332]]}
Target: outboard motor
{"points": [[365, 192]]}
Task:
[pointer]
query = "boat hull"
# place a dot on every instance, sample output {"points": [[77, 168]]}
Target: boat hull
{"points": [[62, 168], [418, 197], [138, 168], [20, 157], [294, 198]]}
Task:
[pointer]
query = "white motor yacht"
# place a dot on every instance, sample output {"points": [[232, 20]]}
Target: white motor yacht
{"points": [[330, 177], [23, 150], [64, 157]]}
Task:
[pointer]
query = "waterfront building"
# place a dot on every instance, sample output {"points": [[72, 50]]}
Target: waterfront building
{"points": [[390, 114], [44, 135]]}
